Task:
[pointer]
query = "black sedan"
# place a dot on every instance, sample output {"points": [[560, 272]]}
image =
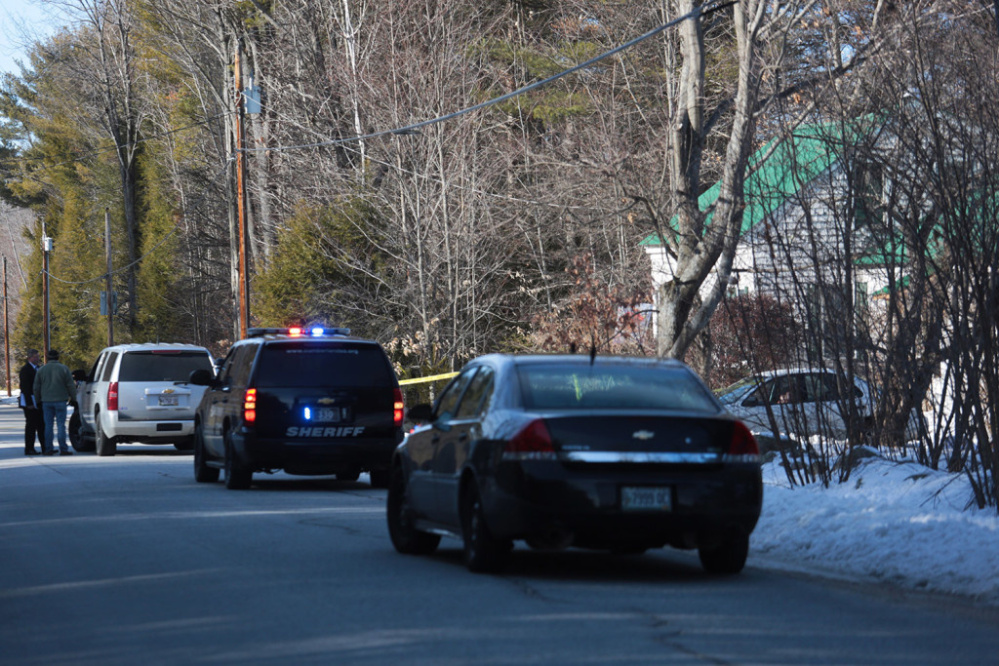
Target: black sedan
{"points": [[610, 453]]}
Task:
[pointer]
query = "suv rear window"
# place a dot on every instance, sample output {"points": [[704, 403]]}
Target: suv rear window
{"points": [[162, 366], [326, 364]]}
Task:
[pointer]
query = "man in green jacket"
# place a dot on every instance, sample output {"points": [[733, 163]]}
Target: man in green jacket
{"points": [[54, 388]]}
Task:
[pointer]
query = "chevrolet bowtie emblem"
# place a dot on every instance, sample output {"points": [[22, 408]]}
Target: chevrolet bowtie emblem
{"points": [[327, 401], [168, 390], [643, 434]]}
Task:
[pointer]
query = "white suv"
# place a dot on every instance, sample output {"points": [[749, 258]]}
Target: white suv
{"points": [[140, 393]]}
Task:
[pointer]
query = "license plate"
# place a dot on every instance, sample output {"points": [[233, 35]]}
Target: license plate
{"points": [[328, 414], [646, 498], [169, 401]]}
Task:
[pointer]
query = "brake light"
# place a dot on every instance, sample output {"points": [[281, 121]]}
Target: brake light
{"points": [[397, 406], [250, 406], [743, 446], [533, 442], [112, 400]]}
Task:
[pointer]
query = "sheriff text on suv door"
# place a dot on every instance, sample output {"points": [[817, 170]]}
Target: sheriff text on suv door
{"points": [[302, 402]]}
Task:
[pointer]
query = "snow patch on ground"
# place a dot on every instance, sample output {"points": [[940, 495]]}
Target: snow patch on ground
{"points": [[897, 522]]}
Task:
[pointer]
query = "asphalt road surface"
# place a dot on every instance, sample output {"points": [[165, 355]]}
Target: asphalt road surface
{"points": [[127, 560]]}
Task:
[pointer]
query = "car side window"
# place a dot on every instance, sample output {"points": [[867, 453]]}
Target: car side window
{"points": [[239, 373], [825, 387], [109, 366], [788, 390], [476, 397], [760, 395], [92, 375], [448, 401], [226, 368]]}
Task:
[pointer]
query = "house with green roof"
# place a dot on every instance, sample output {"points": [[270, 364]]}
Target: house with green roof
{"points": [[809, 202]]}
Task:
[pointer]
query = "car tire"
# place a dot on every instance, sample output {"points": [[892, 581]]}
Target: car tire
{"points": [[202, 472], [483, 553], [106, 446], [237, 475], [85, 442], [725, 557], [379, 478], [73, 431], [407, 539]]}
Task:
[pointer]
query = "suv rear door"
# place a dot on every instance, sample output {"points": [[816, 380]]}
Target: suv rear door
{"points": [[322, 389]]}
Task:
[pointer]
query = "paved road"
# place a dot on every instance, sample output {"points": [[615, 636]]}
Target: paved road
{"points": [[126, 560]]}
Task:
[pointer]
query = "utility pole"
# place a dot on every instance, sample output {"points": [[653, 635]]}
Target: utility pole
{"points": [[6, 327], [108, 291], [46, 331], [244, 277]]}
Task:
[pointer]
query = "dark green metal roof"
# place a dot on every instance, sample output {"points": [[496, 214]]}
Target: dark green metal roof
{"points": [[782, 167]]}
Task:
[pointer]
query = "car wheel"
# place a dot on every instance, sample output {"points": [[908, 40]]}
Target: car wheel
{"points": [[379, 478], [406, 538], [86, 444], [237, 475], [106, 446], [727, 556], [483, 552], [73, 431], [202, 472]]}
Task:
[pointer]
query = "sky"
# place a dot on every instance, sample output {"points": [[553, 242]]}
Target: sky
{"points": [[14, 14]]}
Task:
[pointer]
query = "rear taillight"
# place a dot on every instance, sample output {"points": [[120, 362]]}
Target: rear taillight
{"points": [[112, 400], [397, 406], [743, 447], [250, 406], [533, 442]]}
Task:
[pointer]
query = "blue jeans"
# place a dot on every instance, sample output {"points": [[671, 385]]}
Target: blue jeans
{"points": [[55, 411]]}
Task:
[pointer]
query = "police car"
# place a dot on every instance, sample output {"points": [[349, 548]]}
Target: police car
{"points": [[309, 401]]}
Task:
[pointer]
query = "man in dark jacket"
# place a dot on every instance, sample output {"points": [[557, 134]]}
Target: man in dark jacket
{"points": [[54, 388], [33, 426]]}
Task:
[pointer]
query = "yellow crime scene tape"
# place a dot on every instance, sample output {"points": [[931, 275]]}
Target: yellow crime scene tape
{"points": [[432, 378]]}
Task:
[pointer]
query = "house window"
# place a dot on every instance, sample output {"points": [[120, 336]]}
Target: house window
{"points": [[860, 296], [869, 199]]}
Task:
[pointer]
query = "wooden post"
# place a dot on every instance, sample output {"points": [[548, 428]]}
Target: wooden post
{"points": [[6, 328], [244, 280], [108, 287]]}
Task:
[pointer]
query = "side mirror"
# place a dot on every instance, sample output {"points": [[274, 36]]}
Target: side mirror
{"points": [[422, 413], [201, 377]]}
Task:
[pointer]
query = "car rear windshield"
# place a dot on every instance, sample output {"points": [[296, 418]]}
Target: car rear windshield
{"points": [[546, 386], [323, 364], [162, 366]]}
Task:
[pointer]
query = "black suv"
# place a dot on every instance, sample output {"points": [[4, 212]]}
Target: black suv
{"points": [[306, 401]]}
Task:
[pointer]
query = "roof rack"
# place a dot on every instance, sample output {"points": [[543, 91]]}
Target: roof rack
{"points": [[297, 331]]}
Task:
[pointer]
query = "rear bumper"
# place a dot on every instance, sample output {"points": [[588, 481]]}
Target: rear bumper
{"points": [[167, 430], [307, 457], [706, 502]]}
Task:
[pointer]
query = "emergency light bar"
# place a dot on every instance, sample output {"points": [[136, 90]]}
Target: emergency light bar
{"points": [[297, 331]]}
